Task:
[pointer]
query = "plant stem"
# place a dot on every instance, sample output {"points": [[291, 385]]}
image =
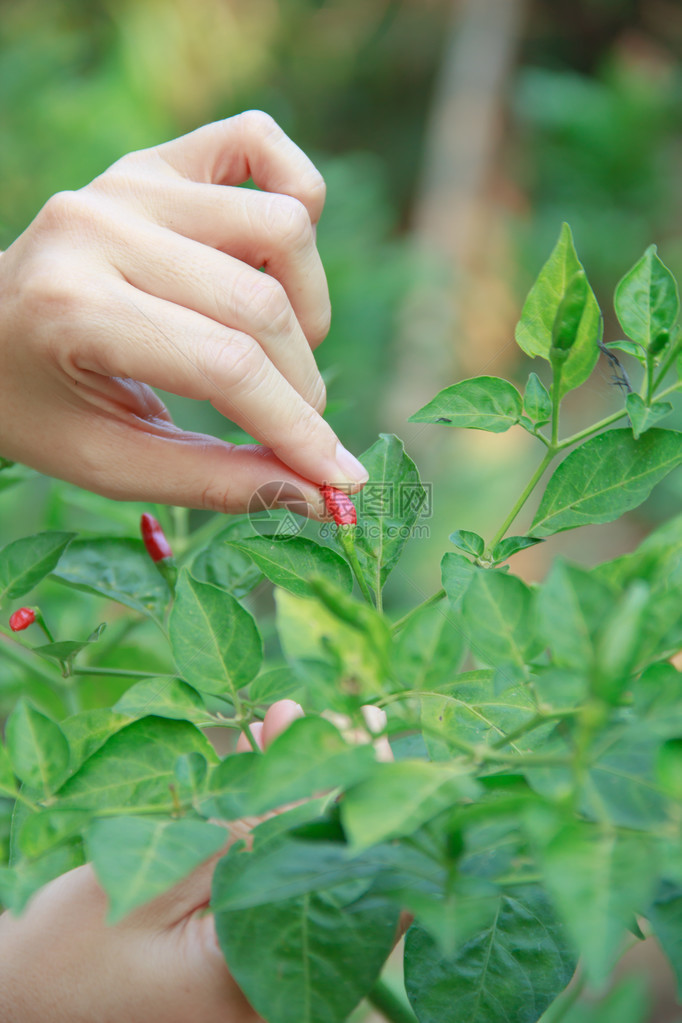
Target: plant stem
{"points": [[389, 1004], [665, 366], [23, 656], [116, 672], [532, 724], [582, 434], [527, 491], [434, 599]]}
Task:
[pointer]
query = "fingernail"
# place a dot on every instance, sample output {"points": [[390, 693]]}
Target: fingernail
{"points": [[351, 469]]}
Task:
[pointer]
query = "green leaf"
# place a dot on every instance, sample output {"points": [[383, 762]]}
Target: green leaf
{"points": [[191, 772], [512, 545], [226, 567], [118, 569], [37, 748], [25, 562], [309, 757], [134, 767], [472, 712], [500, 628], [665, 916], [646, 299], [430, 648], [537, 403], [534, 329], [388, 507], [310, 945], [88, 731], [285, 869], [669, 767], [627, 1003], [215, 641], [165, 697], [66, 650], [43, 831], [8, 784], [511, 970], [19, 882], [642, 416], [324, 651], [291, 561], [469, 543], [457, 573], [138, 858], [605, 477], [598, 880], [480, 403], [632, 348], [227, 793], [275, 684], [569, 608], [399, 797]]}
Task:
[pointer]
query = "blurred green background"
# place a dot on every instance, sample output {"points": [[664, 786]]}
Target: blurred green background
{"points": [[455, 138]]}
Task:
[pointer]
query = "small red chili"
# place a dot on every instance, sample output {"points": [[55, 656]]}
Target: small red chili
{"points": [[339, 506], [154, 539], [21, 619]]}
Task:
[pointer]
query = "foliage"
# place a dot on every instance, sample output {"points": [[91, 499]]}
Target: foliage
{"points": [[532, 814]]}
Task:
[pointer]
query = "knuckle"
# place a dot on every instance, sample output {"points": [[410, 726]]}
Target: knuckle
{"points": [[290, 221], [49, 291], [234, 364], [267, 305], [63, 209]]}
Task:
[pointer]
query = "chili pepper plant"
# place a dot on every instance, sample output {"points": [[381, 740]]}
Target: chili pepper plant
{"points": [[531, 821]]}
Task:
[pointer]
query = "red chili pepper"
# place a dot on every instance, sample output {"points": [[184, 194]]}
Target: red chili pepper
{"points": [[21, 619], [339, 506], [154, 539]]}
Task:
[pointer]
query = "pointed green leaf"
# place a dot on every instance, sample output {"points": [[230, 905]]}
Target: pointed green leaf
{"points": [[25, 562], [291, 561], [87, 731], [598, 879], [496, 609], [480, 403], [534, 329], [49, 828], [512, 969], [67, 649], [227, 793], [388, 507], [309, 757], [430, 648], [225, 566], [215, 641], [275, 684], [118, 569], [512, 545], [642, 416], [473, 713], [457, 573], [166, 697], [537, 403], [138, 858], [37, 748], [646, 299], [632, 348], [8, 784], [569, 608], [469, 543], [134, 767], [310, 944], [605, 477], [399, 797]]}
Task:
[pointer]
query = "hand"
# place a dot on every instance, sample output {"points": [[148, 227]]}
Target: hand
{"points": [[150, 276], [60, 961]]}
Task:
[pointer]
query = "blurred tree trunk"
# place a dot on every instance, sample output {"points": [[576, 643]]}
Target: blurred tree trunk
{"points": [[459, 311]]}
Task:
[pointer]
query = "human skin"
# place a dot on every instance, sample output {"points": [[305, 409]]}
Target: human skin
{"points": [[59, 961], [150, 277]]}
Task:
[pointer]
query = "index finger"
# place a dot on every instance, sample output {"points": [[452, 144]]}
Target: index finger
{"points": [[248, 145]]}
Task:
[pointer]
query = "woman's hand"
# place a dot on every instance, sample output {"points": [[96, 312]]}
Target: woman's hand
{"points": [[61, 962], [150, 276]]}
